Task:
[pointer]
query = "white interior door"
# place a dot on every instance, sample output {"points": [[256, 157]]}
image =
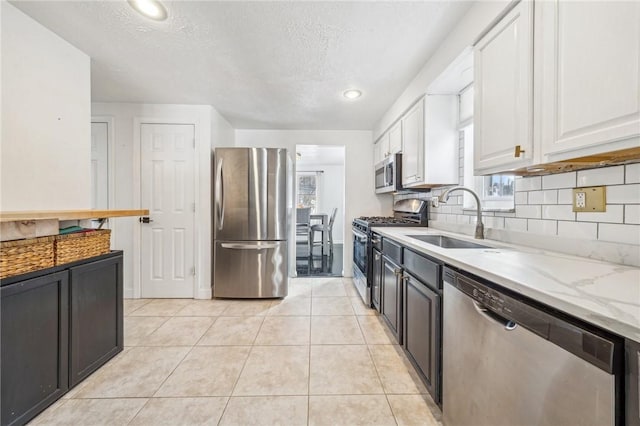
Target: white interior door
{"points": [[167, 190], [99, 166]]}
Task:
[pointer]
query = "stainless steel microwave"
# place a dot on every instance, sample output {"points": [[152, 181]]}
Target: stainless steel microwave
{"points": [[388, 174]]}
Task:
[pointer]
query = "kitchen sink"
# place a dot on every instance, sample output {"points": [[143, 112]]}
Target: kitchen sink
{"points": [[447, 242]]}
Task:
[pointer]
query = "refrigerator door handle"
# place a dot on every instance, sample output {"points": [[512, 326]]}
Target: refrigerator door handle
{"points": [[240, 246], [219, 195]]}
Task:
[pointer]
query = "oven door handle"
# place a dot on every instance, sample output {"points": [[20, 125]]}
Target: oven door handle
{"points": [[359, 234]]}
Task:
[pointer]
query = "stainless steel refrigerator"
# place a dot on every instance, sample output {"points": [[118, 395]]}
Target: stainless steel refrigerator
{"points": [[250, 256]]}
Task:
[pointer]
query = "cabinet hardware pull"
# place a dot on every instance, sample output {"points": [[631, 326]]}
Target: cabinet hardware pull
{"points": [[518, 151]]}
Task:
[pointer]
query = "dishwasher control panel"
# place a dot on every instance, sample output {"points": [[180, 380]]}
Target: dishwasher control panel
{"points": [[513, 311]]}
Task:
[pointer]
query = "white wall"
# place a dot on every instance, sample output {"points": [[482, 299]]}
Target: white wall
{"points": [[331, 195], [478, 18], [210, 126], [46, 132], [360, 197]]}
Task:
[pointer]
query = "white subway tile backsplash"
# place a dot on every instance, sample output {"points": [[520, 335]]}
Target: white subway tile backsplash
{"points": [[565, 196], [632, 173], [456, 210], [558, 212], [625, 234], [492, 222], [535, 197], [632, 213], [604, 176], [550, 197], [515, 224], [582, 230], [543, 207], [543, 197], [546, 227], [623, 194], [521, 197], [529, 211], [505, 214], [614, 214], [528, 183], [562, 180], [462, 220]]}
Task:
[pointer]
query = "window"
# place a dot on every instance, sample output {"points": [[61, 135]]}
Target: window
{"points": [[496, 192], [307, 190]]}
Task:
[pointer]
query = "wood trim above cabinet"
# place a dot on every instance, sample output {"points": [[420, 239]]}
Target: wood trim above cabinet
{"points": [[13, 216]]}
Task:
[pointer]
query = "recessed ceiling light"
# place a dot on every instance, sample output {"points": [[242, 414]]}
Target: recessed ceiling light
{"points": [[152, 9], [352, 94]]}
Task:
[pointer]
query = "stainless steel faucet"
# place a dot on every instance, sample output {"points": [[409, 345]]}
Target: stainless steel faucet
{"points": [[479, 225]]}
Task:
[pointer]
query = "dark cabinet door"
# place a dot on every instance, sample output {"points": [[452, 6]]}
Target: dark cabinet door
{"points": [[34, 354], [632, 378], [422, 331], [96, 315], [376, 279], [391, 296]]}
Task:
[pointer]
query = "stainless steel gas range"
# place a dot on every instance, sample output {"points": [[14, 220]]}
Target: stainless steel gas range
{"points": [[409, 212]]}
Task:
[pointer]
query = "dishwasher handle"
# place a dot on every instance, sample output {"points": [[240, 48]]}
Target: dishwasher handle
{"points": [[494, 317]]}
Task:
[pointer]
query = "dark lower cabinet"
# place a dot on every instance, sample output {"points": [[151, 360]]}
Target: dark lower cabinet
{"points": [[376, 280], [392, 296], [632, 381], [96, 316], [35, 344], [58, 326], [422, 331]]}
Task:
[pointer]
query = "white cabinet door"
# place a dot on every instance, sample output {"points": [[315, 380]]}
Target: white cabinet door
{"points": [[381, 149], [395, 139], [588, 72], [503, 93], [413, 144]]}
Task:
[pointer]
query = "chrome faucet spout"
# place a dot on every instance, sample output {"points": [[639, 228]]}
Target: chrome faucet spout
{"points": [[479, 233]]}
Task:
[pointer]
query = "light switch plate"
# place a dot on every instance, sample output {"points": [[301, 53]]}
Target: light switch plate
{"points": [[592, 199]]}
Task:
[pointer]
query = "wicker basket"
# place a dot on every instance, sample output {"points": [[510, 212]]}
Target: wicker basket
{"points": [[82, 245], [22, 256]]}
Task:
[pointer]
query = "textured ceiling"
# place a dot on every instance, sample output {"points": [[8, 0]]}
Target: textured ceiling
{"points": [[281, 65]]}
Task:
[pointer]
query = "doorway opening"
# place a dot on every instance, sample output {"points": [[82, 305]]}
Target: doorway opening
{"points": [[319, 200]]}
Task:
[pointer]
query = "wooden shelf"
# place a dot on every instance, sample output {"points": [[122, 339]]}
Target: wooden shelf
{"points": [[68, 214]]}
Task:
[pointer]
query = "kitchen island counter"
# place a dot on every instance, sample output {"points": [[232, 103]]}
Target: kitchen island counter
{"points": [[606, 295]]}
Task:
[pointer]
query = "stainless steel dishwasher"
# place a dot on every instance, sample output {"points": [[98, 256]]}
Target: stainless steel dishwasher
{"points": [[506, 362]]}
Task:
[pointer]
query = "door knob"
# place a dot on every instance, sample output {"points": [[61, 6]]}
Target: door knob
{"points": [[518, 151], [145, 219]]}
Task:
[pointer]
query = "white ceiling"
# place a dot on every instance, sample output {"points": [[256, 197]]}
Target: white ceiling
{"points": [[281, 65], [308, 156]]}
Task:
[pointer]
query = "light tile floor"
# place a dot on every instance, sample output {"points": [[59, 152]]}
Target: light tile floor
{"points": [[318, 357]]}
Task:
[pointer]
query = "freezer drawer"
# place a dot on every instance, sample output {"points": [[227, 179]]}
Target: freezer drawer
{"points": [[250, 269]]}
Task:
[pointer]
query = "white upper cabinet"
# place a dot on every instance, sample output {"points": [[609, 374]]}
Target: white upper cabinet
{"points": [[587, 76], [389, 143], [565, 87], [380, 148], [430, 148], [503, 101], [395, 139], [413, 155]]}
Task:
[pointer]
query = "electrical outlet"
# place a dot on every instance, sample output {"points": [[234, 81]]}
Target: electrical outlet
{"points": [[434, 202], [592, 199]]}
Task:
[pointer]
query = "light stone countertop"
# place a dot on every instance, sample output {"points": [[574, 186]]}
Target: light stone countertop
{"points": [[604, 294]]}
